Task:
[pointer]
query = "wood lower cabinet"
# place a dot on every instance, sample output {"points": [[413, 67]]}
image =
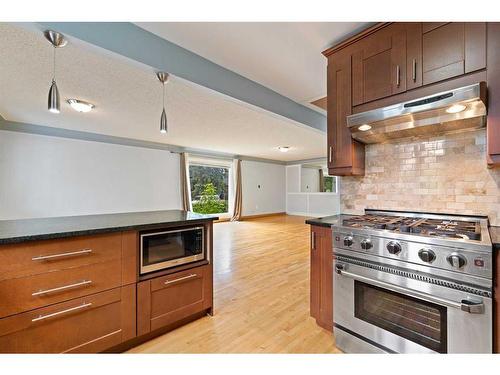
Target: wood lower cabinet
{"points": [[321, 277], [84, 325], [164, 300], [346, 156]]}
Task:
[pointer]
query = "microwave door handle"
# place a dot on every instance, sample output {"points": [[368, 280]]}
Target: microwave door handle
{"points": [[409, 292]]}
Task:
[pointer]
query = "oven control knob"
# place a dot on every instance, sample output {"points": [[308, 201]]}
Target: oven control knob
{"points": [[348, 241], [427, 255], [366, 244], [393, 248], [457, 260]]}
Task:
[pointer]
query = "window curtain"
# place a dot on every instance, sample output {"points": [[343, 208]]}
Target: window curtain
{"points": [[321, 181], [237, 207], [185, 187]]}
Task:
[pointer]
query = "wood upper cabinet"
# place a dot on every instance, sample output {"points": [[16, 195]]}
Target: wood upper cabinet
{"points": [[452, 49], [379, 65], [345, 155], [321, 277], [493, 78]]}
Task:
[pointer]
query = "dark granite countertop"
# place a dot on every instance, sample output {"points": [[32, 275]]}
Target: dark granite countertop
{"points": [[15, 231], [495, 237], [327, 221]]}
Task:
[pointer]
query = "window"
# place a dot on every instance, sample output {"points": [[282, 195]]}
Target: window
{"points": [[211, 186], [329, 184]]}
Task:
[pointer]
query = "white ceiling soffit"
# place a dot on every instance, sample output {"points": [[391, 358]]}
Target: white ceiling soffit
{"points": [[128, 102], [283, 56]]}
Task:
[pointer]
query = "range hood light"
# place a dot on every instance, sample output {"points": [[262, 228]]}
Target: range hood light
{"points": [[364, 127], [455, 108]]}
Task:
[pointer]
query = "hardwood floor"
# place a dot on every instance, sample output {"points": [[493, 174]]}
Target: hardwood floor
{"points": [[261, 276]]}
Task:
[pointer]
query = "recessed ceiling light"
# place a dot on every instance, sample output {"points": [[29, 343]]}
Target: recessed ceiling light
{"points": [[80, 105], [284, 148], [364, 127], [455, 108]]}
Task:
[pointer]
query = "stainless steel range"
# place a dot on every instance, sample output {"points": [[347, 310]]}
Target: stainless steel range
{"points": [[412, 283]]}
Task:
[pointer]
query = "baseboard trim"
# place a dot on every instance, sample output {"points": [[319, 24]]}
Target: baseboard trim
{"points": [[250, 217]]}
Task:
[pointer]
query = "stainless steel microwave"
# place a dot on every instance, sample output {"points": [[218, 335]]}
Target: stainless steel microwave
{"points": [[171, 248]]}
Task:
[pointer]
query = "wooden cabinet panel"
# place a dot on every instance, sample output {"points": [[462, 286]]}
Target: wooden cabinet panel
{"points": [[493, 80], [453, 49], [413, 55], [89, 324], [165, 300], [475, 46], [379, 65], [32, 258], [345, 156], [321, 287], [31, 292]]}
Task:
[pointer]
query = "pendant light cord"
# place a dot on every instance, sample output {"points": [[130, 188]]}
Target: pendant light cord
{"points": [[163, 83], [54, 66]]}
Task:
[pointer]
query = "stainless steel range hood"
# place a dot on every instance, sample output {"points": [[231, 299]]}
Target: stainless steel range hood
{"points": [[458, 109]]}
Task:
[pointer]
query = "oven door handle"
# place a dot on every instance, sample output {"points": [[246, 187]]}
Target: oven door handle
{"points": [[465, 305]]}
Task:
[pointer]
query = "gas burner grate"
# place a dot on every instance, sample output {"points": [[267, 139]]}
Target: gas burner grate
{"points": [[454, 229]]}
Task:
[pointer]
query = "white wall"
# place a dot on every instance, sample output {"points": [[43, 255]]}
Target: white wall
{"points": [[263, 188], [308, 204], [48, 176], [309, 181]]}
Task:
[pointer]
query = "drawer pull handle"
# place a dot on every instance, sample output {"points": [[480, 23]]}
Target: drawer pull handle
{"points": [[181, 278], [55, 256], [43, 317], [61, 288]]}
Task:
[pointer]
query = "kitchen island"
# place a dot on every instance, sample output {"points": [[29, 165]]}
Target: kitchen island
{"points": [[73, 284]]}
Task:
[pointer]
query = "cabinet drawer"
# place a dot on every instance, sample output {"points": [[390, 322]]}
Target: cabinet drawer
{"points": [[31, 292], [89, 324], [167, 299], [37, 257]]}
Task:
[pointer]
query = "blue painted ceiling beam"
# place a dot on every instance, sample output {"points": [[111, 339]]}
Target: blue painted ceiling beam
{"points": [[131, 41]]}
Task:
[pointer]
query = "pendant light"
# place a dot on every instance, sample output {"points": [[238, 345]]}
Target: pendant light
{"points": [[163, 78], [57, 40]]}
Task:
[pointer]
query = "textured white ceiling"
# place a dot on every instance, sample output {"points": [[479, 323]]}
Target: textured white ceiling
{"points": [[128, 102], [283, 56]]}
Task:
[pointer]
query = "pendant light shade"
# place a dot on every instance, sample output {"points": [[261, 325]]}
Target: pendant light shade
{"points": [[163, 77], [163, 122], [54, 105], [57, 40]]}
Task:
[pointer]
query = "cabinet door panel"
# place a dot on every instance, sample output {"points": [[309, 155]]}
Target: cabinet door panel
{"points": [[377, 79], [475, 46], [413, 55], [379, 65], [168, 299], [443, 52]]}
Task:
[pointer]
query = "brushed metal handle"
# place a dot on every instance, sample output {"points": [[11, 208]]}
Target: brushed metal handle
{"points": [[398, 80], [330, 154], [43, 317], [180, 279], [313, 241], [61, 288], [61, 255], [414, 70]]}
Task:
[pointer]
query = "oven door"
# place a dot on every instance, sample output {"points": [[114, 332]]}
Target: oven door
{"points": [[377, 311], [166, 249]]}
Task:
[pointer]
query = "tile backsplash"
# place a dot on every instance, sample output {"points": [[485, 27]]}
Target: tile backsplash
{"points": [[445, 174]]}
